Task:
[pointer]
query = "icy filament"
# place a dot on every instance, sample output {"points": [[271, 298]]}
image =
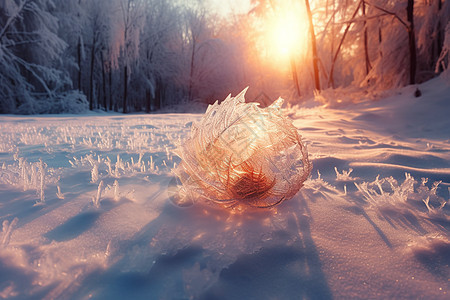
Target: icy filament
{"points": [[240, 154]]}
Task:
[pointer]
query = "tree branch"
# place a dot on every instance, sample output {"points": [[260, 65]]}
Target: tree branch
{"points": [[390, 13], [12, 18], [331, 79]]}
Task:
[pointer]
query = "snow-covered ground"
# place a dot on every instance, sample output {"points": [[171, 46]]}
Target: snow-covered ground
{"points": [[86, 210]]}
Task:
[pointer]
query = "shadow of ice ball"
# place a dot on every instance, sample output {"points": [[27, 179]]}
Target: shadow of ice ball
{"points": [[242, 155]]}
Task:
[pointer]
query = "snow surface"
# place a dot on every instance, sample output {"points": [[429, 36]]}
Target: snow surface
{"points": [[86, 210]]}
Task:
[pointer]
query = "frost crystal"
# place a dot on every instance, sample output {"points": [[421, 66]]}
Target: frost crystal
{"points": [[240, 154]]}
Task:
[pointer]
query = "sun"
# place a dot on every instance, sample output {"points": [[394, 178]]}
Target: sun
{"points": [[286, 32], [285, 35]]}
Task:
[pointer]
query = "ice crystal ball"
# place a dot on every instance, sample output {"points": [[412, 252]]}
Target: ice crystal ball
{"points": [[241, 154]]}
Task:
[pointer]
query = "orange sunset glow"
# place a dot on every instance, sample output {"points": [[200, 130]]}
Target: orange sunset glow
{"points": [[286, 32]]}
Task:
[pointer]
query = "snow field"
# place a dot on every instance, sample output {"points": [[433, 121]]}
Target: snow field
{"points": [[86, 210]]}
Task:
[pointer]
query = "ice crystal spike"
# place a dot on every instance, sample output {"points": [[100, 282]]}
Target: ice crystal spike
{"points": [[240, 154]]}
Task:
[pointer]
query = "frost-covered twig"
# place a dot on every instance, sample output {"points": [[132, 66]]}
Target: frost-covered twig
{"points": [[387, 192], [152, 164], [94, 171], [41, 172], [392, 194], [58, 193], [433, 209], [345, 176], [116, 190], [119, 165], [96, 199], [7, 231]]}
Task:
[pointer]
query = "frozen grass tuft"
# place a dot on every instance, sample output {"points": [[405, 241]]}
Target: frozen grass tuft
{"points": [[319, 185], [433, 202], [29, 176], [387, 192], [41, 171], [138, 148], [112, 191], [102, 167], [59, 195], [345, 176]]}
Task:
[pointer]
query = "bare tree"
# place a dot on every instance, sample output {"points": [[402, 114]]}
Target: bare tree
{"points": [[195, 29], [333, 63], [158, 64], [97, 29], [131, 11], [411, 42], [295, 76], [313, 46], [366, 51], [409, 26], [29, 45]]}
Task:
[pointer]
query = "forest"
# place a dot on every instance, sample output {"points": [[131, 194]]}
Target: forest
{"points": [[142, 55]]}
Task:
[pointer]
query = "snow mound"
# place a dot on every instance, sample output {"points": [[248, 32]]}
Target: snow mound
{"points": [[73, 102]]}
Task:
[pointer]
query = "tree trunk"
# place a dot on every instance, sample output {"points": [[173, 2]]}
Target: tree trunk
{"points": [[380, 37], [162, 98], [411, 42], [110, 86], [79, 50], [148, 98], [105, 105], [439, 38], [314, 46], [158, 94], [331, 82], [331, 78], [366, 51], [91, 76], [79, 63], [294, 76], [125, 88], [191, 73]]}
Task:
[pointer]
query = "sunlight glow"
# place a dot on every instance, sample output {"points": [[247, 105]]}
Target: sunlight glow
{"points": [[286, 32], [285, 35]]}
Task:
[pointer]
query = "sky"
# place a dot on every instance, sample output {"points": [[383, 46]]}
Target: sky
{"points": [[225, 7]]}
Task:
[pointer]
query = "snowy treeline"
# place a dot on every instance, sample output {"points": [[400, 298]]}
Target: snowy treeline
{"points": [[141, 55], [369, 44], [122, 55]]}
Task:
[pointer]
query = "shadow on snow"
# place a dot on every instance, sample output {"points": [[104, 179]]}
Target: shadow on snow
{"points": [[204, 252]]}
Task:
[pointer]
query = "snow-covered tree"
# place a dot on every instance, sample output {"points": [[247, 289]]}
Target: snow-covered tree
{"points": [[444, 59], [131, 18], [159, 61], [30, 50], [144, 54], [432, 19], [98, 25]]}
